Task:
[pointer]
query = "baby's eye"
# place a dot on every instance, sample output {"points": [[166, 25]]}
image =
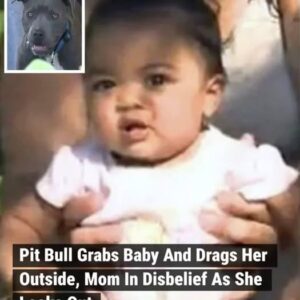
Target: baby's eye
{"points": [[156, 80], [103, 85]]}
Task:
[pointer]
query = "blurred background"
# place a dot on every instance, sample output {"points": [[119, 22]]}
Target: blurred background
{"points": [[1, 66], [15, 32]]}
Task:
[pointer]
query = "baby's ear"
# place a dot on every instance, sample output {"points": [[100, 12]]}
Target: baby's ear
{"points": [[214, 92]]}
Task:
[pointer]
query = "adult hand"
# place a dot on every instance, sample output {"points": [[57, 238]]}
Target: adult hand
{"points": [[266, 222], [238, 221], [82, 207]]}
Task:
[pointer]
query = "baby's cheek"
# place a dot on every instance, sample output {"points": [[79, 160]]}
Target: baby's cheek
{"points": [[105, 126]]}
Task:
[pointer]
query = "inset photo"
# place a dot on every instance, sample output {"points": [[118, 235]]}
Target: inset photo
{"points": [[44, 36]]}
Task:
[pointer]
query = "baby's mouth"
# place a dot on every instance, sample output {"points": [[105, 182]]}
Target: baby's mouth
{"points": [[133, 130]]}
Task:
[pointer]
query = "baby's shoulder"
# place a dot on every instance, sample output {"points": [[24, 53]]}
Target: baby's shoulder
{"points": [[238, 152], [222, 145], [257, 171], [73, 170], [245, 145], [84, 152]]}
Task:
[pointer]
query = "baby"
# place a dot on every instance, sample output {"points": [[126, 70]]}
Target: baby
{"points": [[154, 77]]}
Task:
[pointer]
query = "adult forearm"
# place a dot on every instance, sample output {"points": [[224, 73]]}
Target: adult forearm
{"points": [[10, 234], [29, 222]]}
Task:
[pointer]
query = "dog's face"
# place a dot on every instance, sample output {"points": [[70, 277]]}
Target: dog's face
{"points": [[44, 22]]}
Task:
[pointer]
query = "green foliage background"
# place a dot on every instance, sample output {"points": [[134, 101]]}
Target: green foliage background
{"points": [[1, 21]]}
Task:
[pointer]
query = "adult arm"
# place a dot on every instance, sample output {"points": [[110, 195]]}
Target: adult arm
{"points": [[31, 221]]}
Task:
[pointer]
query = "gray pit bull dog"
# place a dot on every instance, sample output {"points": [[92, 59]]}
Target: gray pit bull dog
{"points": [[52, 31]]}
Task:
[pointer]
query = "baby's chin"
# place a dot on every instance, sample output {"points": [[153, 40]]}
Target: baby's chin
{"points": [[146, 154], [143, 155], [137, 160], [139, 154]]}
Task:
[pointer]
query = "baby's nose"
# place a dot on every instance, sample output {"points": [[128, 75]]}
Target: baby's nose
{"points": [[128, 100]]}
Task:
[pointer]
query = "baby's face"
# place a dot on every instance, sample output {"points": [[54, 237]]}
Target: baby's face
{"points": [[147, 90]]}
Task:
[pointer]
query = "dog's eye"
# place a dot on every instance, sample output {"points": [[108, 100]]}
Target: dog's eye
{"points": [[30, 14], [54, 15]]}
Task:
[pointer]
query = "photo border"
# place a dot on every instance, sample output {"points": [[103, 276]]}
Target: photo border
{"points": [[81, 71]]}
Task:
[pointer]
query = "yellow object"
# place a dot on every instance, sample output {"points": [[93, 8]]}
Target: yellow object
{"points": [[39, 65], [143, 231]]}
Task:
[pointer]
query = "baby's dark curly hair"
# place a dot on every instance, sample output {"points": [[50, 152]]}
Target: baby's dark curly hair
{"points": [[194, 19]]}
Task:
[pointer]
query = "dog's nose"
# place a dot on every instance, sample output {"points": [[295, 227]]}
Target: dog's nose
{"points": [[38, 37], [38, 34]]}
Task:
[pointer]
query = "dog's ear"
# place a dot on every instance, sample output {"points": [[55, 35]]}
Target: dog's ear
{"points": [[71, 4], [67, 2]]}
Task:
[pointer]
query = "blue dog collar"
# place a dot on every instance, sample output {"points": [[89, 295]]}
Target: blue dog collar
{"points": [[66, 36]]}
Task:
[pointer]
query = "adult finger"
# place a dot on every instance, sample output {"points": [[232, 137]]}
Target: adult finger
{"points": [[234, 204], [236, 230], [102, 234], [81, 207]]}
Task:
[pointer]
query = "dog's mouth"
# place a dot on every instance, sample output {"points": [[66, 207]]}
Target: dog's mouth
{"points": [[40, 50]]}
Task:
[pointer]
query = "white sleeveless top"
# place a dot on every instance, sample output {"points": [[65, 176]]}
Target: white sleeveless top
{"points": [[259, 98], [166, 200], [173, 195]]}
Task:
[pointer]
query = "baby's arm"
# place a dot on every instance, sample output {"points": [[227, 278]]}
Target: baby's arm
{"points": [[31, 221]]}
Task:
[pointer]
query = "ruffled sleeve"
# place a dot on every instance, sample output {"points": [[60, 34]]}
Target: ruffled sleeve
{"points": [[261, 173], [62, 178]]}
